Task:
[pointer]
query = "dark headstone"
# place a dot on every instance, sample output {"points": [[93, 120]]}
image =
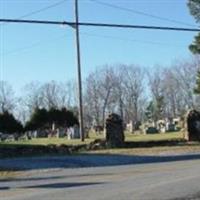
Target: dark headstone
{"points": [[114, 131], [171, 128], [193, 126], [152, 130]]}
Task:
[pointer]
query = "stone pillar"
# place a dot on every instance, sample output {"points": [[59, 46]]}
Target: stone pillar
{"points": [[193, 126], [114, 131]]}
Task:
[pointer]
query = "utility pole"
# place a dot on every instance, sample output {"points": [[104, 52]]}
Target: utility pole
{"points": [[81, 126]]}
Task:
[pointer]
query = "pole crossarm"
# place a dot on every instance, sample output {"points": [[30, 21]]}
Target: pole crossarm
{"points": [[74, 25]]}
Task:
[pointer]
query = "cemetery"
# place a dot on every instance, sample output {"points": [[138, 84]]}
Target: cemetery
{"points": [[60, 140], [114, 129]]}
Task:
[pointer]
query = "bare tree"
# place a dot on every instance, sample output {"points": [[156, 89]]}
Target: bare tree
{"points": [[32, 97], [115, 89], [106, 90], [57, 95], [92, 99], [99, 95], [185, 73], [155, 77], [175, 87], [133, 90], [7, 101], [172, 93], [69, 95]]}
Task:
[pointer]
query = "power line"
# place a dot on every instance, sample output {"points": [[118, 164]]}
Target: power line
{"points": [[33, 45], [37, 44], [40, 10], [142, 13], [130, 40], [73, 24]]}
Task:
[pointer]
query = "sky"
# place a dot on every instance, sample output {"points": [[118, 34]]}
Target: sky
{"points": [[43, 53]]}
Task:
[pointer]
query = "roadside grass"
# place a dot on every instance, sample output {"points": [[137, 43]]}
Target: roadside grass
{"points": [[169, 147], [193, 147], [141, 144], [182, 147], [6, 173]]}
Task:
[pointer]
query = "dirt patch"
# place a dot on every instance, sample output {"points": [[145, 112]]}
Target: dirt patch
{"points": [[102, 144]]}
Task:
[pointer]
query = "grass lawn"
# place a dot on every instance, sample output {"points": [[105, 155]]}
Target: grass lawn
{"points": [[53, 140], [47, 141], [129, 137]]}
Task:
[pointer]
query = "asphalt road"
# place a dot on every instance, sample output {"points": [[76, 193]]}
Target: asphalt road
{"points": [[175, 180]]}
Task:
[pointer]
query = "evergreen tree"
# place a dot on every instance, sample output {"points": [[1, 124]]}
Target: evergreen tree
{"points": [[8, 124], [43, 118], [194, 7], [39, 119]]}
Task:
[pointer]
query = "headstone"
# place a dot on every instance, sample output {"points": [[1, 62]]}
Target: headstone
{"points": [[151, 130], [130, 126], [35, 134], [114, 131], [69, 133], [73, 132], [162, 129], [62, 132], [161, 126], [76, 131], [171, 127], [193, 126]]}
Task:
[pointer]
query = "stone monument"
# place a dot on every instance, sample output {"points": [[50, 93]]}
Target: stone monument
{"points": [[193, 126], [114, 131]]}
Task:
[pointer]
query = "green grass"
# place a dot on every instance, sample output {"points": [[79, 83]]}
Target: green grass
{"points": [[129, 137], [47, 141], [54, 140], [153, 137]]}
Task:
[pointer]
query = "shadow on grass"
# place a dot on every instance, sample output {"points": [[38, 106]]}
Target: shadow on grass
{"points": [[91, 160], [27, 150], [22, 179], [54, 185]]}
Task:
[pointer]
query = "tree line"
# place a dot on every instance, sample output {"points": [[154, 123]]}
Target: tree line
{"points": [[132, 91]]}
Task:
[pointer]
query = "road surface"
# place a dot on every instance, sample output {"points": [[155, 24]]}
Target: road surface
{"points": [[175, 180]]}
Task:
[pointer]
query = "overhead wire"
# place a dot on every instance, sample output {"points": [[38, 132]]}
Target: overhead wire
{"points": [[33, 45], [72, 24], [141, 13], [131, 40], [42, 9], [39, 10], [22, 17], [40, 43], [106, 25]]}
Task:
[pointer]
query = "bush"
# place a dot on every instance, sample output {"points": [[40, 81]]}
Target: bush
{"points": [[43, 119], [8, 124]]}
